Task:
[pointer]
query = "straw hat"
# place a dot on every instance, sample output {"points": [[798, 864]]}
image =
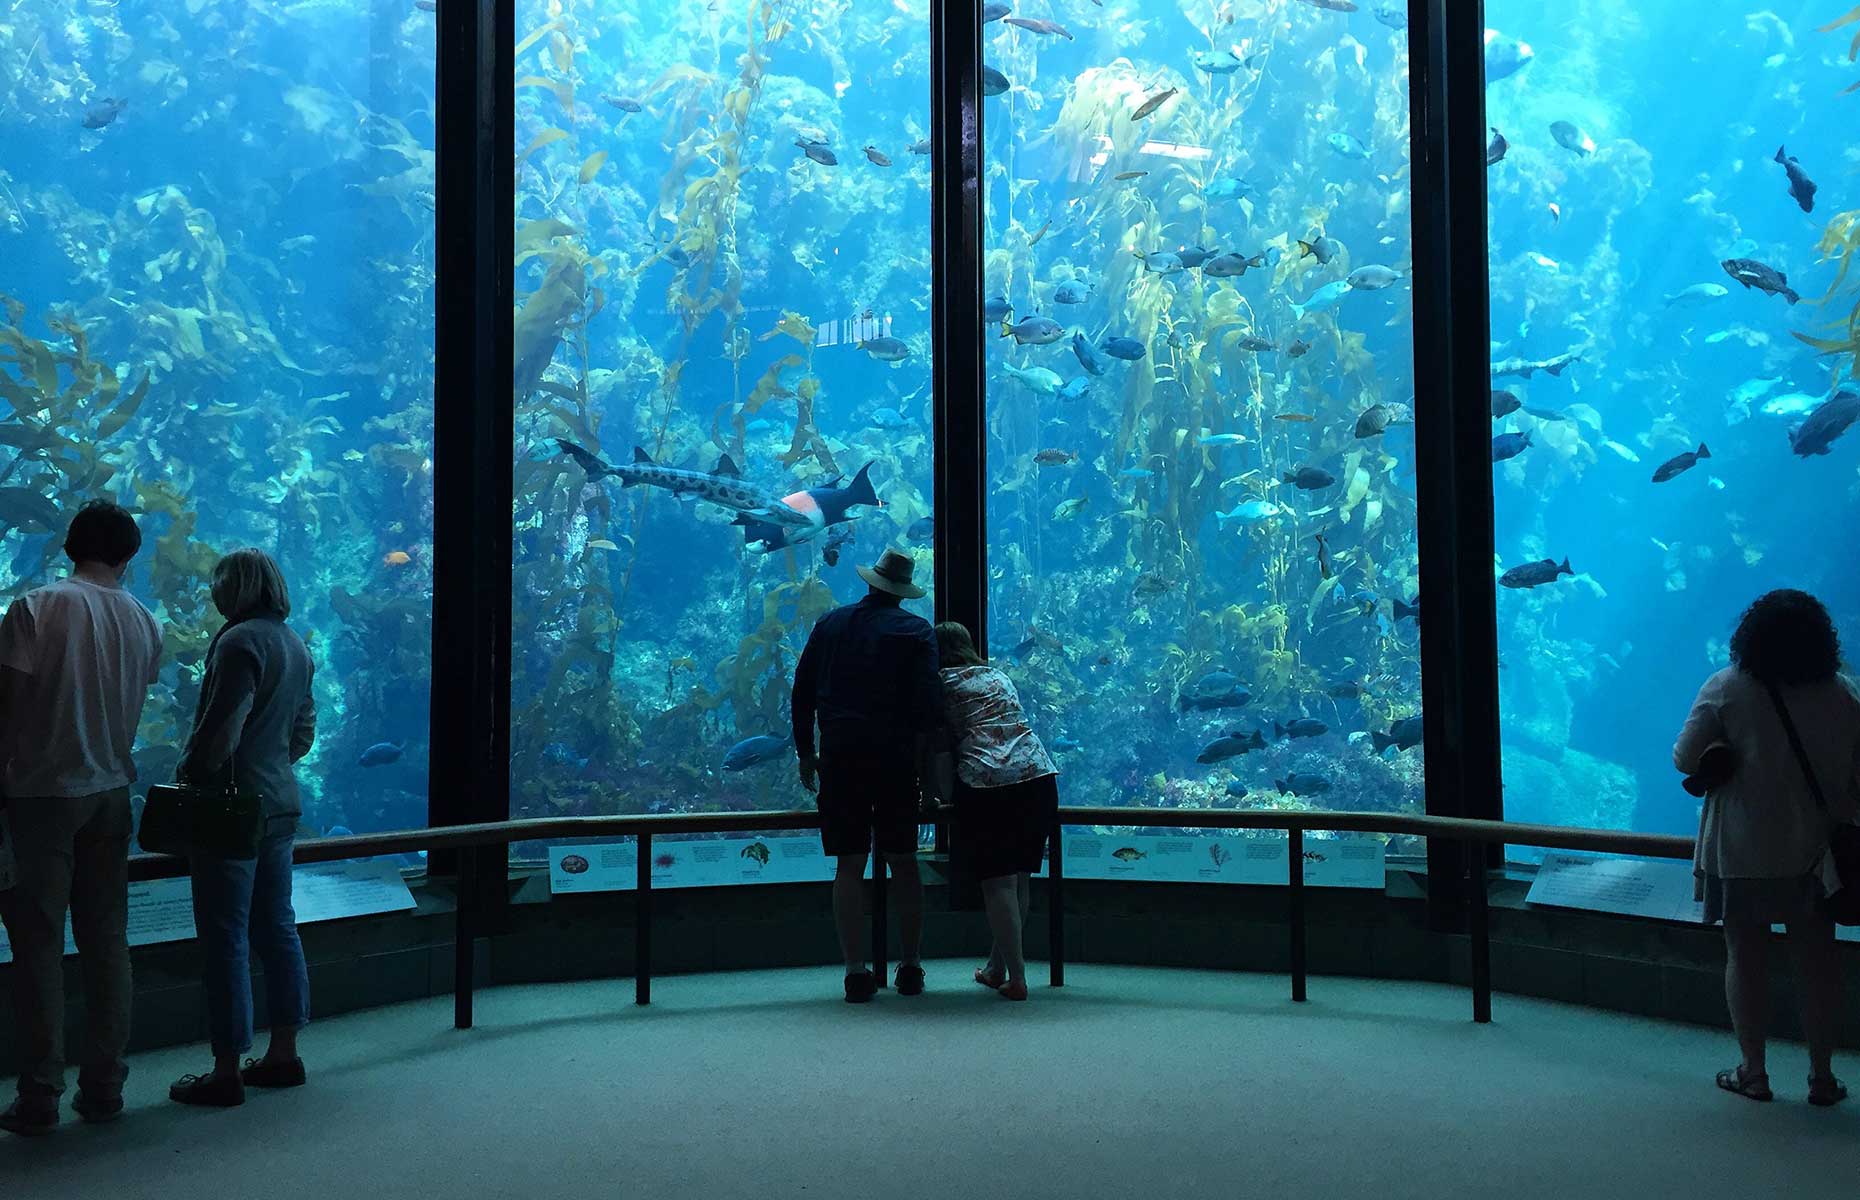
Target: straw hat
{"points": [[893, 574]]}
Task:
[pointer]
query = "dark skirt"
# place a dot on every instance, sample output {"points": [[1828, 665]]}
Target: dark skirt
{"points": [[1761, 901], [1002, 830]]}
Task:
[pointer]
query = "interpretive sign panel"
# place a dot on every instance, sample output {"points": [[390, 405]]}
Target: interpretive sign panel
{"points": [[1260, 861], [614, 866]]}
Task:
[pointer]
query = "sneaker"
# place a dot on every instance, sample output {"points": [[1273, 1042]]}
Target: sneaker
{"points": [[910, 980], [262, 1073], [31, 1116], [97, 1109], [208, 1091], [860, 987]]}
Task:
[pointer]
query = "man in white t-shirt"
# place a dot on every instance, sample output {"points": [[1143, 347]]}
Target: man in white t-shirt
{"points": [[76, 661]]}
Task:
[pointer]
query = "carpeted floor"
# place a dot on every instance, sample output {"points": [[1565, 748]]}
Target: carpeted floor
{"points": [[1127, 1083]]}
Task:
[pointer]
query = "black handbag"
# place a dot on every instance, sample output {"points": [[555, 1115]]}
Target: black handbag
{"points": [[1843, 838], [215, 822]]}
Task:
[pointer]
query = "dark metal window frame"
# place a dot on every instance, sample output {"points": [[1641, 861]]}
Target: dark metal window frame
{"points": [[474, 407]]}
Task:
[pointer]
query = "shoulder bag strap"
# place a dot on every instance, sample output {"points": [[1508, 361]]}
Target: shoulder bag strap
{"points": [[1795, 741]]}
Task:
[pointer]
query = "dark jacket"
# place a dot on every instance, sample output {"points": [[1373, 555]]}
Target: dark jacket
{"points": [[256, 709], [869, 674]]}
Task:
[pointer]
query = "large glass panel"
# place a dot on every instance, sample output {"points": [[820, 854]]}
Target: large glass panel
{"points": [[722, 266], [1202, 532], [1650, 364], [216, 229]]}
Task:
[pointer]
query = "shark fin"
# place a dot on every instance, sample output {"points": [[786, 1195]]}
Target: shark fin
{"points": [[727, 466], [640, 456]]}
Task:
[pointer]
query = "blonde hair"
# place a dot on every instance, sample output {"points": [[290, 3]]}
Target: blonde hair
{"points": [[955, 647], [248, 583]]}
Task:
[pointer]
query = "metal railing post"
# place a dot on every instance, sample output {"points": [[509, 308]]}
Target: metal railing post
{"points": [[463, 960], [1056, 904], [642, 928], [880, 951], [1295, 879], [1478, 929]]}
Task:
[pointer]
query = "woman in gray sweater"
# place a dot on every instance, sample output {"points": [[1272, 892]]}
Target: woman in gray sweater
{"points": [[256, 718], [1763, 832]]}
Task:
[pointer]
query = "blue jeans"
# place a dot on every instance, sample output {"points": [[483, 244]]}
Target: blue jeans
{"points": [[241, 903]]}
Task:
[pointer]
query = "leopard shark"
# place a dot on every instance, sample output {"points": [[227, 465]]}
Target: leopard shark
{"points": [[723, 487]]}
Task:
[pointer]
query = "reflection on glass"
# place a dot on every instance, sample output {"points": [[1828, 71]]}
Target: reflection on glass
{"points": [[723, 380], [1202, 528], [1660, 309], [216, 223]]}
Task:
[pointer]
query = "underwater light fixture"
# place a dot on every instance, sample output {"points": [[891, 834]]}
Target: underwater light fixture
{"points": [[850, 332]]}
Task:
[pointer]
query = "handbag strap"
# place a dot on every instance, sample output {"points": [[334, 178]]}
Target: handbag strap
{"points": [[1795, 741]]}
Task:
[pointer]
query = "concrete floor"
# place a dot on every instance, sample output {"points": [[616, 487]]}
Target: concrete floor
{"points": [[1128, 1083]]}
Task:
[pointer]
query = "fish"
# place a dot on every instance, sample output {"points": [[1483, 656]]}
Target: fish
{"points": [[889, 418], [396, 558], [1321, 248], [1794, 404], [1228, 265], [1817, 434], [602, 544], [1496, 149], [1038, 331], [1231, 745], [1374, 420], [1088, 357], [1072, 292], [758, 851], [922, 531], [1403, 735], [1509, 445], [1298, 417], [1215, 62], [1753, 274], [1504, 56], [1679, 464], [1309, 479], [1228, 187], [993, 82], [1524, 368], [1055, 458], [1342, 6], [1065, 510], [1038, 379], [723, 487], [1697, 295], [1303, 727], [886, 349], [1040, 232], [806, 514], [381, 754], [1127, 854], [754, 751], [817, 151], [625, 104], [1221, 439], [1345, 689], [1372, 278], [426, 6], [1504, 404], [1298, 349], [1232, 697], [996, 309], [879, 157], [104, 112], [1556, 213], [1622, 451], [1151, 583], [1127, 348], [1348, 145], [1535, 574], [1162, 262], [1302, 783], [1136, 473], [1402, 610], [1065, 745], [838, 540], [994, 12], [1123, 175], [1800, 185], [1393, 13], [1195, 256], [1039, 25], [1238, 790], [1252, 512], [1324, 299], [1572, 137], [920, 147], [1256, 343], [1153, 103], [1075, 389]]}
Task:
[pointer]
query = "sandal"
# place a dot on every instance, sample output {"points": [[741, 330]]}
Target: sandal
{"points": [[992, 982], [1014, 989], [1750, 1087], [1826, 1092]]}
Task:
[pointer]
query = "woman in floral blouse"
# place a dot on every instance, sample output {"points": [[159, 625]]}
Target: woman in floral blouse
{"points": [[1006, 795]]}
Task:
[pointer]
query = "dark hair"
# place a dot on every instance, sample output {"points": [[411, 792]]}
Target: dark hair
{"points": [[1786, 637], [103, 532], [955, 647]]}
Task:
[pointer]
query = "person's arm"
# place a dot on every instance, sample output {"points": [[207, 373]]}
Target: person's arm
{"points": [[303, 728], [927, 689], [16, 638], [1704, 727], [801, 710], [226, 696]]}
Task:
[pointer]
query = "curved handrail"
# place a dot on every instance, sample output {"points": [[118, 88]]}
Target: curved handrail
{"points": [[458, 837]]}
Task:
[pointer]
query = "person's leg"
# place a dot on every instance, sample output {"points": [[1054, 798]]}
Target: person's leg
{"points": [[1746, 990], [1001, 899], [274, 938], [907, 896], [44, 831], [849, 910], [222, 915], [100, 925], [1818, 979]]}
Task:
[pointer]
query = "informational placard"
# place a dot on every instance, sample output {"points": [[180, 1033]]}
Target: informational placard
{"points": [[614, 866], [1632, 887], [1353, 863], [162, 910]]}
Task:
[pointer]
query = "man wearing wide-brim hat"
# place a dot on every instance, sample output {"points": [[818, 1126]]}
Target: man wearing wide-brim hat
{"points": [[869, 675]]}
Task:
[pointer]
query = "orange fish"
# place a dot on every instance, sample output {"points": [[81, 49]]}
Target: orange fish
{"points": [[396, 558]]}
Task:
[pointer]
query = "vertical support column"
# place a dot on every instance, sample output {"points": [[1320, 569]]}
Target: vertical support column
{"points": [[1056, 904], [642, 923], [1452, 385], [1295, 879], [1478, 931], [469, 770], [464, 965]]}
